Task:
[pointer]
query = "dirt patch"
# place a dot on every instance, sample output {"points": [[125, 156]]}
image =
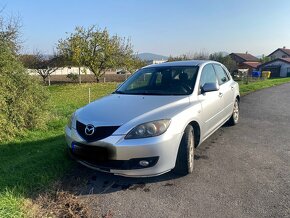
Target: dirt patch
{"points": [[59, 203]]}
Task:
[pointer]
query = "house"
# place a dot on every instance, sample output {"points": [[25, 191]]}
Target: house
{"points": [[149, 62], [243, 57], [246, 61], [280, 53], [279, 67]]}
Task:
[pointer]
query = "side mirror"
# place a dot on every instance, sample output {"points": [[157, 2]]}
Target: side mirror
{"points": [[209, 87]]}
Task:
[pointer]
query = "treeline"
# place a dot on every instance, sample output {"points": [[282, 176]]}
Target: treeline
{"points": [[203, 55]]}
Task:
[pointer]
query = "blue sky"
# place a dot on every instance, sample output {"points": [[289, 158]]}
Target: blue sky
{"points": [[160, 26]]}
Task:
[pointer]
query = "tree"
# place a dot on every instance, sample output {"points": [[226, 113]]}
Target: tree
{"points": [[43, 65], [265, 59], [23, 100], [201, 55], [72, 50], [229, 63], [10, 32], [95, 49]]}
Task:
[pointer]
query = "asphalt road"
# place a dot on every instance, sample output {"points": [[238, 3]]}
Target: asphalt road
{"points": [[241, 171]]}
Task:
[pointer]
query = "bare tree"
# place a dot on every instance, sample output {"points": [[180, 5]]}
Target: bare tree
{"points": [[10, 31], [44, 65]]}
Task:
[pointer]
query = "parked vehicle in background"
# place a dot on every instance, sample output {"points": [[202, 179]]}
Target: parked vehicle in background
{"points": [[122, 72], [154, 121]]}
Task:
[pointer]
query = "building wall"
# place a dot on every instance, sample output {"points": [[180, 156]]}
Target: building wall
{"points": [[278, 54], [68, 70], [250, 69], [285, 67], [155, 62]]}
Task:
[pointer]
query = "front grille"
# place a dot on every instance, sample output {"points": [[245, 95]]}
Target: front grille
{"points": [[102, 157], [100, 132], [92, 153]]}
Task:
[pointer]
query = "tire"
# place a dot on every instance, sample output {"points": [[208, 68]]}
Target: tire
{"points": [[185, 157], [236, 114]]}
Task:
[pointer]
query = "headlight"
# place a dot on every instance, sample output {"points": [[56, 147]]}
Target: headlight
{"points": [[150, 129], [69, 124]]}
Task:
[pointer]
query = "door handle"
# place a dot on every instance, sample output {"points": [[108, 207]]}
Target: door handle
{"points": [[221, 94]]}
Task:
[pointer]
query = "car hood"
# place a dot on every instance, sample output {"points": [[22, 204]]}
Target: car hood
{"points": [[116, 110]]}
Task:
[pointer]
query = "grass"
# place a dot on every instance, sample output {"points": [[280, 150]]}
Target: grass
{"points": [[262, 84], [29, 165]]}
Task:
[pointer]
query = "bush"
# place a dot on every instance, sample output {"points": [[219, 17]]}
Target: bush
{"points": [[72, 76], [23, 100]]}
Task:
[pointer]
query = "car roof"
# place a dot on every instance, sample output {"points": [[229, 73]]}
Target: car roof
{"points": [[181, 63]]}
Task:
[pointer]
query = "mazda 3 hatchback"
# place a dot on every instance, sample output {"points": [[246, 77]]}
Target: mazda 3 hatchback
{"points": [[154, 121]]}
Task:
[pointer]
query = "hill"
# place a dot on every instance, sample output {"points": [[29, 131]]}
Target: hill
{"points": [[151, 56]]}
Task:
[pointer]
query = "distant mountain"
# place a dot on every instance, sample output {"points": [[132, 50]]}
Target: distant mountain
{"points": [[151, 56]]}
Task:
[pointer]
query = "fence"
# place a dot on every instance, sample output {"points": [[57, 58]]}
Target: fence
{"points": [[88, 78]]}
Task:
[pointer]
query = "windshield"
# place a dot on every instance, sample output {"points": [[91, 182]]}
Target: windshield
{"points": [[161, 81]]}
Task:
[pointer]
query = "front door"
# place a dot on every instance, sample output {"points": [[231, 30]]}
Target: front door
{"points": [[211, 102], [226, 90]]}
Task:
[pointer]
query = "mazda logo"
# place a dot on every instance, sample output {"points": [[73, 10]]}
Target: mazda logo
{"points": [[90, 129]]}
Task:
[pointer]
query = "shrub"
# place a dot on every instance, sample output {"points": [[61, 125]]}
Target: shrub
{"points": [[72, 76], [23, 100]]}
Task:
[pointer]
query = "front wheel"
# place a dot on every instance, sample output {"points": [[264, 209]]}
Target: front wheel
{"points": [[185, 157], [236, 114]]}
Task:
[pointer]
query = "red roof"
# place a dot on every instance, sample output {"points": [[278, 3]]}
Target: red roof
{"points": [[252, 64], [246, 57]]}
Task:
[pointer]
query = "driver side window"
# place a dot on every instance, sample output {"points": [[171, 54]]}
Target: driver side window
{"points": [[208, 75]]}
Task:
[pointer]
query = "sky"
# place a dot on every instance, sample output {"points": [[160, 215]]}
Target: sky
{"points": [[166, 27]]}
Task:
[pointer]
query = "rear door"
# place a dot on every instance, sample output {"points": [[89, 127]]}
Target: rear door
{"points": [[226, 90], [211, 102]]}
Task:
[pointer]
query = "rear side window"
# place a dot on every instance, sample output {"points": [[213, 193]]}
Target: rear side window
{"points": [[221, 74], [208, 75]]}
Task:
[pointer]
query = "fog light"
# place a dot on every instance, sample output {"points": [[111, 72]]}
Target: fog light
{"points": [[143, 163]]}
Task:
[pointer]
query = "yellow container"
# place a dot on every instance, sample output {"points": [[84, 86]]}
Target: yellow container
{"points": [[266, 74]]}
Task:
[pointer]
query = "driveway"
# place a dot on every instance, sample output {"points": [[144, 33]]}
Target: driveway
{"points": [[241, 171]]}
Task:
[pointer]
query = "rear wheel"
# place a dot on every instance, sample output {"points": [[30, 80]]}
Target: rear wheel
{"points": [[185, 157], [236, 114]]}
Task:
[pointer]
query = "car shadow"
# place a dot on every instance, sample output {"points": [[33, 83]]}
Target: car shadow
{"points": [[32, 167], [84, 181]]}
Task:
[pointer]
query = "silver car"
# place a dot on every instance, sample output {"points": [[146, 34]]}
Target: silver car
{"points": [[154, 121]]}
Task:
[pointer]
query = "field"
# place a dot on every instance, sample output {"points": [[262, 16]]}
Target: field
{"points": [[31, 163]]}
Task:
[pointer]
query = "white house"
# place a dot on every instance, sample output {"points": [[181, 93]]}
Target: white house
{"points": [[67, 70], [279, 67], [155, 61]]}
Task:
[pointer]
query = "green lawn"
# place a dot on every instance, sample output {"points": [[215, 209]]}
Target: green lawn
{"points": [[253, 86], [29, 164]]}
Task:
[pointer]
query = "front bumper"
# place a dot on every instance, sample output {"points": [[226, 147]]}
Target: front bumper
{"points": [[122, 156]]}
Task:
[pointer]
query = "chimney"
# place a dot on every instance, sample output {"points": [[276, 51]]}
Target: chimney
{"points": [[284, 47], [246, 52]]}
